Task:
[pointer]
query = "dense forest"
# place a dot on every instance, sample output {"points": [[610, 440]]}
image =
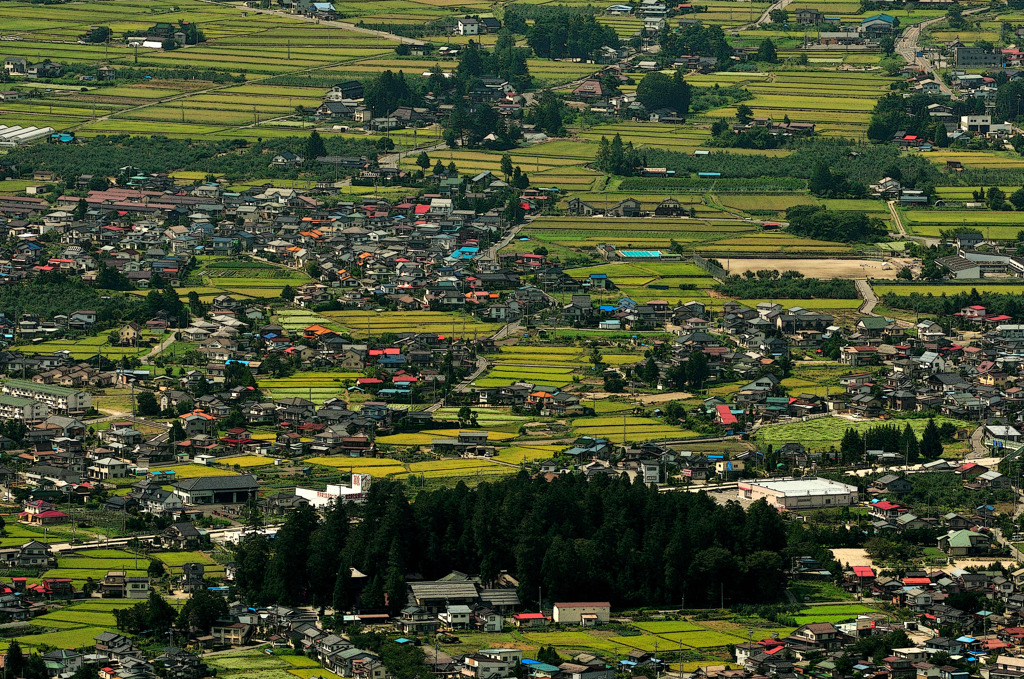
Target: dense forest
{"points": [[815, 221], [770, 284], [696, 39], [236, 158], [51, 293], [558, 31], [576, 539]]}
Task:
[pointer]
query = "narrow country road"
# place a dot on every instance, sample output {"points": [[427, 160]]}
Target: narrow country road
{"points": [[338, 24], [896, 218], [871, 300], [765, 17], [491, 254], [978, 448], [907, 45], [869, 297], [160, 347], [392, 159]]}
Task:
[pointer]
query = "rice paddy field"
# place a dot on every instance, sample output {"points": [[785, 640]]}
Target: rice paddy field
{"points": [[818, 378], [838, 102], [259, 46], [363, 323], [257, 663], [497, 419], [998, 225], [94, 564], [317, 386], [375, 467], [831, 613], [245, 461], [549, 366], [632, 428], [427, 436], [939, 288], [519, 454], [429, 469], [710, 237]]}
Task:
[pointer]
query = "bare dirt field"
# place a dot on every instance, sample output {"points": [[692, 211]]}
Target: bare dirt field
{"points": [[858, 557], [821, 268]]}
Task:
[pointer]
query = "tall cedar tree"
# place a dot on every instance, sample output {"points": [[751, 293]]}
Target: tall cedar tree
{"points": [[931, 441]]}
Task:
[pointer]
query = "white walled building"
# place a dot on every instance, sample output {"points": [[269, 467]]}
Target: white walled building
{"points": [[802, 493]]}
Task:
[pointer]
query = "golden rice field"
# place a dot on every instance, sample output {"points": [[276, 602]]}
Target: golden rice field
{"points": [[425, 438], [245, 461]]}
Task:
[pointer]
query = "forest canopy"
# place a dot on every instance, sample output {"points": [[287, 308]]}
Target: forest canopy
{"points": [[575, 539]]}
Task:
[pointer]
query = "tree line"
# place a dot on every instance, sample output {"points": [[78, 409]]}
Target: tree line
{"points": [[771, 284], [890, 438], [573, 539], [861, 165], [1010, 303]]}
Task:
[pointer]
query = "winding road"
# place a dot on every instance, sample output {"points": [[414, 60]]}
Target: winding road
{"points": [[765, 17], [906, 47]]}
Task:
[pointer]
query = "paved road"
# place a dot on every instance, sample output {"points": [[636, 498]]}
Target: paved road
{"points": [[160, 347], [508, 330], [871, 300], [869, 297], [906, 47], [481, 366], [392, 159], [491, 254], [86, 544], [765, 17], [337, 24], [978, 448]]}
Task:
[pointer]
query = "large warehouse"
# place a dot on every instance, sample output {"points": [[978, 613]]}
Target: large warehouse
{"points": [[804, 493]]}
